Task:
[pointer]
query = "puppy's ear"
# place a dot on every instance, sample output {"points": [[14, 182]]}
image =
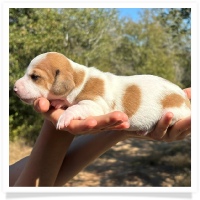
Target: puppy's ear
{"points": [[63, 83]]}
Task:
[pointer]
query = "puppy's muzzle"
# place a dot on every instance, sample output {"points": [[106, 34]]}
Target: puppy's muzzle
{"points": [[22, 97]]}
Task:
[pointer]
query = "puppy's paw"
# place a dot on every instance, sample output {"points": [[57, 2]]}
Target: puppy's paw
{"points": [[64, 120]]}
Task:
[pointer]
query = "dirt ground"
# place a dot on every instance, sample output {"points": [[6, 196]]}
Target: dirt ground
{"points": [[131, 163]]}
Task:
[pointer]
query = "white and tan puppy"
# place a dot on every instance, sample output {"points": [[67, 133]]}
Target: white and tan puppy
{"points": [[90, 92]]}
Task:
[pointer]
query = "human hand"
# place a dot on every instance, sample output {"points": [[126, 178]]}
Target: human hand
{"points": [[163, 132], [179, 131], [115, 120]]}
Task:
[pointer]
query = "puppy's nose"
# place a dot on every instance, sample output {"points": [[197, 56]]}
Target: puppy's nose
{"points": [[15, 89]]}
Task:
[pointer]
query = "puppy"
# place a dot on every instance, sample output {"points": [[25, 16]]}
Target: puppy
{"points": [[91, 92]]}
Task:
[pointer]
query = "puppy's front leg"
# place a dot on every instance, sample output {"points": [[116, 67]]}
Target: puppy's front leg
{"points": [[81, 110]]}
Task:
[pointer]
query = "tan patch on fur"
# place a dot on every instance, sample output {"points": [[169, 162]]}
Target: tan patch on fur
{"points": [[61, 84], [78, 77], [131, 100], [172, 100], [58, 60], [93, 88]]}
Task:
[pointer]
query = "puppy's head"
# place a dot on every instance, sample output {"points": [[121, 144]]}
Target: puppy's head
{"points": [[49, 75]]}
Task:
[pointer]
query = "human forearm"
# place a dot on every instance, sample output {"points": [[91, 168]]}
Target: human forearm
{"points": [[46, 158], [84, 150], [115, 119]]}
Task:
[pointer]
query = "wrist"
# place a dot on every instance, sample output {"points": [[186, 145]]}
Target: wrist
{"points": [[117, 135], [133, 134]]}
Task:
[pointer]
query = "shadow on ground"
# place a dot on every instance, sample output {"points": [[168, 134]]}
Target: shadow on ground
{"points": [[140, 163]]}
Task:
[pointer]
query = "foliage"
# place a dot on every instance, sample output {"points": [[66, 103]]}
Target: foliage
{"points": [[151, 52], [158, 44], [177, 24]]}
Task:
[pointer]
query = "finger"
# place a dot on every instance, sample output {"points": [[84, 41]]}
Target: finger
{"points": [[162, 126], [41, 105], [179, 127], [81, 126], [115, 120], [110, 120], [188, 92], [36, 105], [124, 125], [184, 134]]}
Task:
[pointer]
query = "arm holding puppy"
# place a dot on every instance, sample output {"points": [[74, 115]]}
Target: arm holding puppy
{"points": [[87, 148]]}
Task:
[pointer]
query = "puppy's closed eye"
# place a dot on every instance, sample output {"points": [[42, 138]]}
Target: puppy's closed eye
{"points": [[34, 77], [57, 72]]}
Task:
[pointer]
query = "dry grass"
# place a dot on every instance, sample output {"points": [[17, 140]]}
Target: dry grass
{"points": [[131, 163], [18, 150]]}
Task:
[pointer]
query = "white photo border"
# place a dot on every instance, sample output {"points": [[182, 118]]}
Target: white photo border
{"points": [[95, 4]]}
